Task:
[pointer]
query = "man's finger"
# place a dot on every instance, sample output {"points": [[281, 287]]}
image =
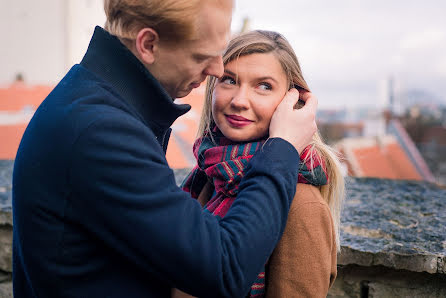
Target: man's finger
{"points": [[291, 98], [311, 102], [304, 95]]}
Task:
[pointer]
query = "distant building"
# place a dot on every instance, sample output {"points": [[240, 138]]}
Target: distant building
{"points": [[382, 147], [43, 39], [390, 156], [433, 148], [381, 157], [395, 128]]}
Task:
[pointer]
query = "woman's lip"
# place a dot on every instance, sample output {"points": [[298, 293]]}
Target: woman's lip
{"points": [[238, 118], [237, 121]]}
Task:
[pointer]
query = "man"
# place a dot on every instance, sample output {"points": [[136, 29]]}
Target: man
{"points": [[96, 209]]}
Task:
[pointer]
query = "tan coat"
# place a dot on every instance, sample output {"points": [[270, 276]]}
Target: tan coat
{"points": [[303, 263]]}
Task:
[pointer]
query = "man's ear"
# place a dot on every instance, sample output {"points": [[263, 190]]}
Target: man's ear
{"points": [[147, 42]]}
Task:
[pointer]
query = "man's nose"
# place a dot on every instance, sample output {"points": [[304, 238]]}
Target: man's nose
{"points": [[215, 68]]}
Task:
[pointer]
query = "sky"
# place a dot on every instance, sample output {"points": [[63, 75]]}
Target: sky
{"points": [[348, 49]]}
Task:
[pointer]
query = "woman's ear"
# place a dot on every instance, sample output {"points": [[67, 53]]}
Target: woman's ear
{"points": [[297, 87], [300, 103], [147, 42]]}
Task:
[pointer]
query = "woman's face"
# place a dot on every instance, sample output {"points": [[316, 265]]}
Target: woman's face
{"points": [[245, 98]]}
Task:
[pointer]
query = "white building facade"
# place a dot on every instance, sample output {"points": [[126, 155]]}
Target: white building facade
{"points": [[42, 39]]}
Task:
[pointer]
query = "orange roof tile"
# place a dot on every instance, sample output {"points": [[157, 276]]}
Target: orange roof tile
{"points": [[371, 157], [390, 162], [10, 136], [18, 96]]}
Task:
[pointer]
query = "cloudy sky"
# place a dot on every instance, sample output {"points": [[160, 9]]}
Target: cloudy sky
{"points": [[348, 49]]}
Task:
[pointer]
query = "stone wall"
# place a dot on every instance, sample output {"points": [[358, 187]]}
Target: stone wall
{"points": [[393, 238], [5, 254], [5, 228]]}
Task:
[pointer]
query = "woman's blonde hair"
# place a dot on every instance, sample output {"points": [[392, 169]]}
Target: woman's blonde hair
{"points": [[173, 20], [271, 42]]}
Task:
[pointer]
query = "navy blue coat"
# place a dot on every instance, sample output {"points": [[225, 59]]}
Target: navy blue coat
{"points": [[96, 209]]}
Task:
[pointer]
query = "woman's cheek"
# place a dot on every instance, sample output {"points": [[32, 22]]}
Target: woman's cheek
{"points": [[266, 111]]}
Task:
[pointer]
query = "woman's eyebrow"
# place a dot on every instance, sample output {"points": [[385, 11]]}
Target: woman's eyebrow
{"points": [[257, 79], [267, 78], [229, 72]]}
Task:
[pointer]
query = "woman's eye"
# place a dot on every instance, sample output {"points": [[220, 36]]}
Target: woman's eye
{"points": [[265, 86], [227, 80]]}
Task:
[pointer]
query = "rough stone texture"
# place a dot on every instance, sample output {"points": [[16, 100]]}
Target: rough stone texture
{"points": [[5, 276], [5, 184], [6, 290], [393, 240], [380, 281], [5, 215], [6, 248], [5, 284], [386, 290], [397, 224]]}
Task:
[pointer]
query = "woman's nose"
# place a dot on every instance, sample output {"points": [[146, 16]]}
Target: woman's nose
{"points": [[240, 100]]}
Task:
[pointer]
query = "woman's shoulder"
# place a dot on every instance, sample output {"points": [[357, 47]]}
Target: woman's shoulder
{"points": [[310, 208], [308, 194]]}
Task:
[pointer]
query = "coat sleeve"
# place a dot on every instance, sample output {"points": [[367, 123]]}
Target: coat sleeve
{"points": [[304, 262], [126, 197]]}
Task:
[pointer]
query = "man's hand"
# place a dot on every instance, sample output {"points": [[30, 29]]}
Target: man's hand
{"points": [[295, 126]]}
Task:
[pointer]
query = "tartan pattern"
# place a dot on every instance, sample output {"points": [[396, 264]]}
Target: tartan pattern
{"points": [[223, 164]]}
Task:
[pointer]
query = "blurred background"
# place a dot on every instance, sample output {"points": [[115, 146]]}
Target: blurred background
{"points": [[378, 68]]}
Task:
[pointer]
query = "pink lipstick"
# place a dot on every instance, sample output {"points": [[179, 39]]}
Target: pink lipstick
{"points": [[237, 121]]}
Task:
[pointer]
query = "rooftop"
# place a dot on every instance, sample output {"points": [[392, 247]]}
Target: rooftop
{"points": [[381, 157], [20, 96]]}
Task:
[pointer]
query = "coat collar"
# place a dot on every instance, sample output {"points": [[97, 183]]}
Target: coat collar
{"points": [[109, 59]]}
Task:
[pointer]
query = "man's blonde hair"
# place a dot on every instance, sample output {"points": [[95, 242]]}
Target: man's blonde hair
{"points": [[173, 20]]}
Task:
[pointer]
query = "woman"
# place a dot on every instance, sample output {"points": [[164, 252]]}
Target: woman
{"points": [[260, 67]]}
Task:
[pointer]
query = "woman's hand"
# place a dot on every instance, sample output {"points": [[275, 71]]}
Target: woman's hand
{"points": [[297, 126]]}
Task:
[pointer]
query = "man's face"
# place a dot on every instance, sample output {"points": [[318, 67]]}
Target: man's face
{"points": [[182, 67]]}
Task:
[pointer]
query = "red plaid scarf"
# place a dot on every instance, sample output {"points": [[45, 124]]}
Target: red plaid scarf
{"points": [[223, 163]]}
